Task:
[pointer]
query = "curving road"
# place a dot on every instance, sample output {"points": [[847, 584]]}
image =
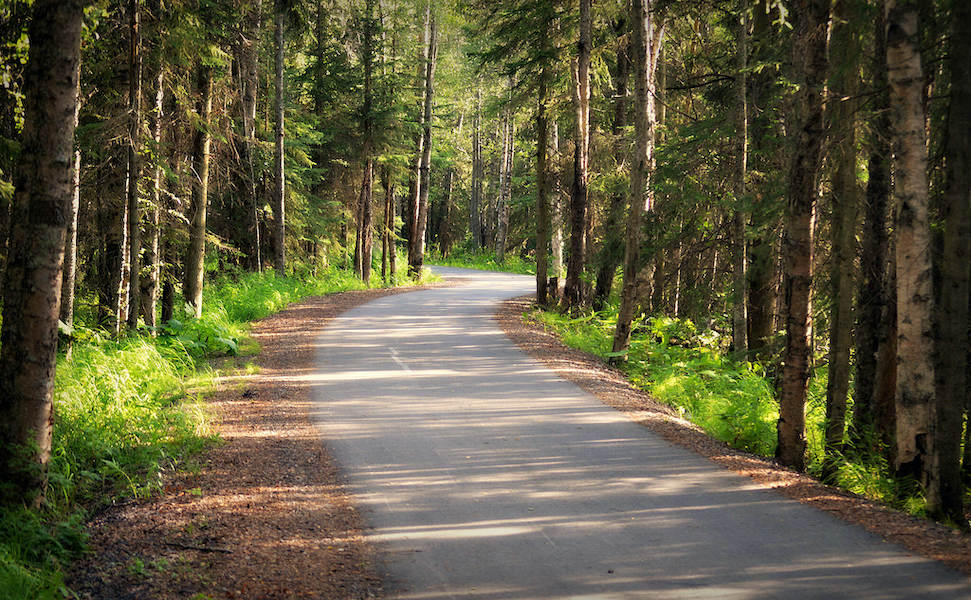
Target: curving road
{"points": [[484, 475]]}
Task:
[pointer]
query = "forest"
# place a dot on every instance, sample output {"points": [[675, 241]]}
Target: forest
{"points": [[792, 176]]}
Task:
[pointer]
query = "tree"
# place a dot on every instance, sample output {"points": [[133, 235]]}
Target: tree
{"points": [[573, 292], [32, 282], [952, 346], [645, 48], [740, 257], [134, 160], [280, 177], [915, 337], [195, 259], [810, 19], [416, 248]]}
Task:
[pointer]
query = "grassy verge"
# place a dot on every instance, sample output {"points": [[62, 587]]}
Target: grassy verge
{"points": [[127, 412], [484, 261], [733, 401]]}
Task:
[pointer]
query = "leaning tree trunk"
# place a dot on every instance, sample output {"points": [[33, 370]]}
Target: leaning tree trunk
{"points": [[416, 253], [279, 189], [195, 259], [843, 84], [32, 281], [644, 47], [572, 294], [70, 269], [952, 350], [915, 336], [134, 161], [810, 18]]}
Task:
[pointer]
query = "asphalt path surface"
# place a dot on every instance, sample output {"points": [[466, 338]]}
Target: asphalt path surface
{"points": [[482, 474]]}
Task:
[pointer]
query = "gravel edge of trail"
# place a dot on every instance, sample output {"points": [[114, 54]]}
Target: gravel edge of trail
{"points": [[610, 385], [267, 515]]}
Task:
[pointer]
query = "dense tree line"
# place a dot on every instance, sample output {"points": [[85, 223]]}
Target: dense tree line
{"points": [[792, 173]]}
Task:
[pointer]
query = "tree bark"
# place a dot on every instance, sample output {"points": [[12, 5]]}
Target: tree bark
{"points": [[952, 346], [279, 190], [612, 251], [32, 281], [416, 253], [149, 292], [844, 87], [543, 185], [644, 47], [475, 203], [915, 336], [579, 201], [134, 160], [195, 259], [247, 56], [740, 258], [810, 19], [871, 324]]}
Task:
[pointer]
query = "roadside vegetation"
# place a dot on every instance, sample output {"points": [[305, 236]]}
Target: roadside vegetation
{"points": [[129, 410], [483, 260], [735, 401]]}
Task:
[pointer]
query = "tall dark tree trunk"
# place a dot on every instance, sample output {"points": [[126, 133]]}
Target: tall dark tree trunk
{"points": [[247, 57], [543, 186], [810, 20], [579, 201], [612, 251], [134, 160], [844, 86], [871, 323], [416, 248], [952, 346], [195, 258], [32, 281], [644, 47], [279, 175]]}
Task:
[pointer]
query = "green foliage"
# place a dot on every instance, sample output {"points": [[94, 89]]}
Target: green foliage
{"points": [[126, 412], [732, 401], [484, 261]]}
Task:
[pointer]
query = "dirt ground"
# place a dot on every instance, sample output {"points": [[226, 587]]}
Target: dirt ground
{"points": [[267, 516]]}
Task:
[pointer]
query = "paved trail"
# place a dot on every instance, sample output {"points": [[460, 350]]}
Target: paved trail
{"points": [[484, 475]]}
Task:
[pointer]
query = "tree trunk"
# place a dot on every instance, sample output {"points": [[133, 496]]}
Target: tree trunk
{"points": [[543, 185], [195, 259], [32, 281], [279, 192], [611, 253], [810, 19], [644, 47], [247, 56], [915, 336], [416, 253], [505, 178], [134, 160], [952, 347], [475, 203], [572, 295], [149, 292], [844, 86], [740, 258], [387, 232], [874, 246]]}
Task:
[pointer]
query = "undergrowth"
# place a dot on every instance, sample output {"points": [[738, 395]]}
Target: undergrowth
{"points": [[484, 261], [128, 411], [733, 401]]}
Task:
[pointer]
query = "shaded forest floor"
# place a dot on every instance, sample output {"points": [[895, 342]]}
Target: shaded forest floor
{"points": [[918, 535], [267, 516]]}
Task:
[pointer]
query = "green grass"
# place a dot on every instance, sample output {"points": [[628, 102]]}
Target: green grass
{"points": [[484, 261], [128, 411], [733, 401]]}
